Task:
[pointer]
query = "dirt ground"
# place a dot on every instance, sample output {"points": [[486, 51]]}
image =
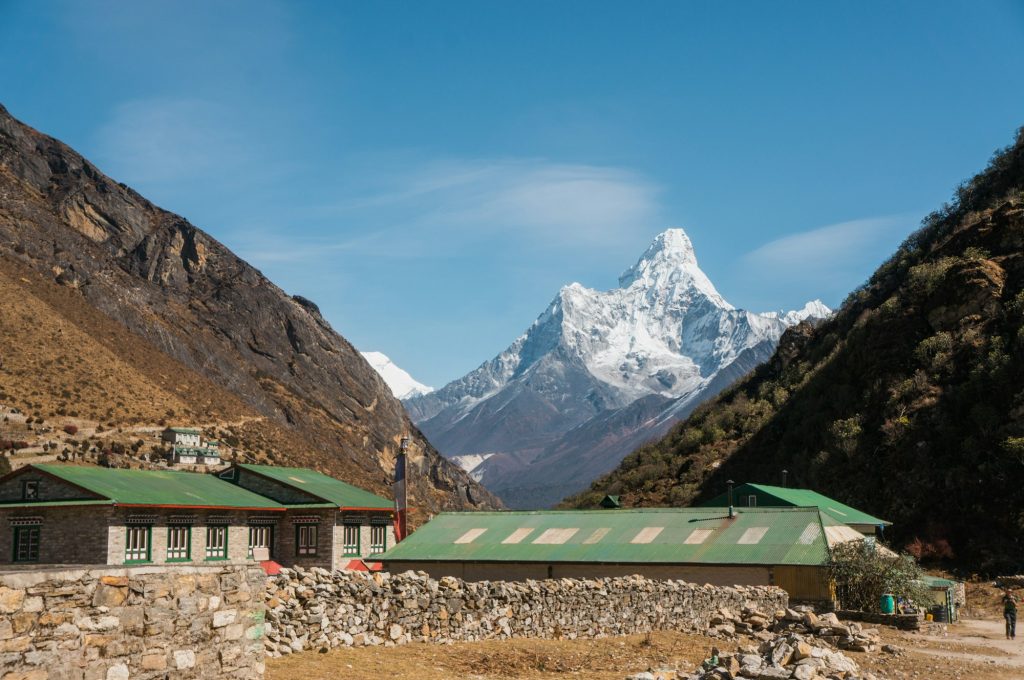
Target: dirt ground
{"points": [[974, 649]]}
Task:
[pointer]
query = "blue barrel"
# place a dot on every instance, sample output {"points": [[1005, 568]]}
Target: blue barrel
{"points": [[888, 604]]}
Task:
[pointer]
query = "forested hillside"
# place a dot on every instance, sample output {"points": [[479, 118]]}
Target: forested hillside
{"points": [[908, 402]]}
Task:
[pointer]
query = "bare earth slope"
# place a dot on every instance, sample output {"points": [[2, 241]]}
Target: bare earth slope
{"points": [[908, 402], [160, 312]]}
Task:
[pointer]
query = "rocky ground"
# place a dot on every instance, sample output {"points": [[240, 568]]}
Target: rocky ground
{"points": [[974, 649]]}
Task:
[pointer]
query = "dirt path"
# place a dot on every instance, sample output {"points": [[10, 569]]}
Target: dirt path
{"points": [[990, 638]]}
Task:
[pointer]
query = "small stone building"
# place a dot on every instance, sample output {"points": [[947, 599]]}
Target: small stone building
{"points": [[786, 547], [766, 496], [70, 514], [188, 447], [182, 436]]}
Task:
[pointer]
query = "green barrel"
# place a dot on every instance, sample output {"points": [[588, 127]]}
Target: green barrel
{"points": [[888, 604]]}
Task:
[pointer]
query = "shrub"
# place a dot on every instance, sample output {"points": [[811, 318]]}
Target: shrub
{"points": [[863, 574], [71, 429], [925, 278]]}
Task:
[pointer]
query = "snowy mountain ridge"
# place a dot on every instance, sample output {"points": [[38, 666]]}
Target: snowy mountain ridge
{"points": [[402, 385], [664, 332]]}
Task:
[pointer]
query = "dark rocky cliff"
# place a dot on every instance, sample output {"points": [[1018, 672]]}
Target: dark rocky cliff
{"points": [[183, 292]]}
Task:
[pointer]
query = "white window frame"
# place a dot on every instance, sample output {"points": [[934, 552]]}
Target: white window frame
{"points": [[350, 548], [217, 542], [138, 543], [378, 531], [264, 532], [179, 542]]}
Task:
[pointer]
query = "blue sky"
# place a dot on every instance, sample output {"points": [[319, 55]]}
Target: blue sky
{"points": [[431, 173]]}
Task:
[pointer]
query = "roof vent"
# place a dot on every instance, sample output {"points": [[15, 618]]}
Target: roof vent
{"points": [[732, 511]]}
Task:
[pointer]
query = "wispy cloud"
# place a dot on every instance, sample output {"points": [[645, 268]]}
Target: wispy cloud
{"points": [[835, 245], [826, 262], [533, 200], [168, 140]]}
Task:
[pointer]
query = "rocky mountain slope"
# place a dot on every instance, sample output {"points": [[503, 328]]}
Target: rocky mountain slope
{"points": [[120, 310], [908, 402], [597, 374], [402, 385]]}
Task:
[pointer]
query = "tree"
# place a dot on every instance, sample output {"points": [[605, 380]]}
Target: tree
{"points": [[863, 574]]}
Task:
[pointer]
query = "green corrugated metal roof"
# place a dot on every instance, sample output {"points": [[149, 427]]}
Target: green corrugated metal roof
{"points": [[320, 485], [159, 487], [668, 536], [801, 498]]}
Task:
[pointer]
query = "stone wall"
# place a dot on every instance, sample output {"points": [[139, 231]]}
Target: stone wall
{"points": [[113, 623], [68, 535], [317, 609]]}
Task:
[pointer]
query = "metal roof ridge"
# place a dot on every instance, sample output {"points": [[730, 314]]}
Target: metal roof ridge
{"points": [[621, 511]]}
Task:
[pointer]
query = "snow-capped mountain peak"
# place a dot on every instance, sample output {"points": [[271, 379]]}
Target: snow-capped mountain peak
{"points": [[402, 385], [663, 336], [670, 262]]}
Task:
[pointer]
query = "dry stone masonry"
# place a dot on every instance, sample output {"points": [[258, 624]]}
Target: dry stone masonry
{"points": [[318, 609], [141, 622]]}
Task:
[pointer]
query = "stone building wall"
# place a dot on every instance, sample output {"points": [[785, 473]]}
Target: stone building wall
{"points": [[237, 523], [141, 622], [315, 609], [287, 552], [68, 535]]}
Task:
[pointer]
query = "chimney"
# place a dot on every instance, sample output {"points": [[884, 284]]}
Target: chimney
{"points": [[732, 511], [785, 476]]}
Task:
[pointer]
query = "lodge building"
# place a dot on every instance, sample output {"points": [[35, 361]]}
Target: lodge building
{"points": [[786, 547], [68, 514]]}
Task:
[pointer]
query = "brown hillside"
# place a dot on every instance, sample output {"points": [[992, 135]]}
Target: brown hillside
{"points": [[117, 310], [908, 402]]}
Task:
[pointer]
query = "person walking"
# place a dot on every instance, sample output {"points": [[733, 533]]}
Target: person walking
{"points": [[1010, 614]]}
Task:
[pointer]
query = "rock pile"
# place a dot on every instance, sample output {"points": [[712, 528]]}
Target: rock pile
{"points": [[792, 655], [827, 628], [319, 609]]}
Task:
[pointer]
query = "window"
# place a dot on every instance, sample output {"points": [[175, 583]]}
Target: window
{"points": [[378, 538], [351, 539], [261, 536], [305, 539], [751, 501], [137, 543], [26, 544], [216, 543], [179, 543], [30, 490]]}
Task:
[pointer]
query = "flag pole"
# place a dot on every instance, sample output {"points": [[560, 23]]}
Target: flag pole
{"points": [[401, 489]]}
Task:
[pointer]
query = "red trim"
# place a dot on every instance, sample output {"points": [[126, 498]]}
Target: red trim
{"points": [[196, 507], [387, 510]]}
